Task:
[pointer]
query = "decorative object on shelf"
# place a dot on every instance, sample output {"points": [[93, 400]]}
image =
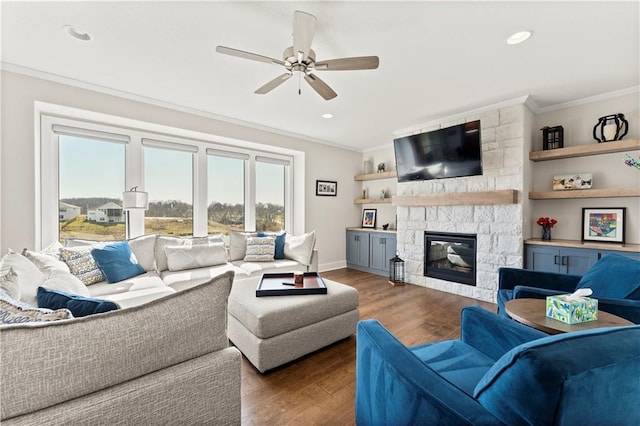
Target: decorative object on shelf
{"points": [[632, 162], [610, 128], [369, 218], [367, 167], [385, 226], [572, 181], [381, 168], [396, 271], [603, 224], [552, 137], [383, 194], [326, 188], [547, 224], [133, 200], [364, 193]]}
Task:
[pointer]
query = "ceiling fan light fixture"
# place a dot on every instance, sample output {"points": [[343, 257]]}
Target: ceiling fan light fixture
{"points": [[519, 37], [77, 33]]}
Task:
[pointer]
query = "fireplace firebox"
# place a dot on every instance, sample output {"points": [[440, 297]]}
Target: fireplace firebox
{"points": [[450, 257]]}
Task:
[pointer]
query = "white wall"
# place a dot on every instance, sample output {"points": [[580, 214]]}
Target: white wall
{"points": [[609, 170], [329, 216]]}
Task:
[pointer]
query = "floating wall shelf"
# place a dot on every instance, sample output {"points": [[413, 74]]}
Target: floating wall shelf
{"points": [[372, 201], [586, 150], [585, 193], [376, 176]]}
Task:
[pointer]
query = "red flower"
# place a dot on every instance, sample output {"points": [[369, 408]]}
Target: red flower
{"points": [[545, 221]]}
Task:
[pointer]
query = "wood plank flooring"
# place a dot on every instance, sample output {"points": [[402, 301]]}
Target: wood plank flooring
{"points": [[319, 389]]}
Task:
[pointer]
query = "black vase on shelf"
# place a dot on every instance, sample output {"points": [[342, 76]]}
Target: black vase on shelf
{"points": [[546, 232]]}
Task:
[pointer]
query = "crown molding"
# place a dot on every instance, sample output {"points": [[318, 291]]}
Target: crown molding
{"points": [[55, 78], [597, 98]]}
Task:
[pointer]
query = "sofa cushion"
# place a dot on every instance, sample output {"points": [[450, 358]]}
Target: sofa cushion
{"points": [[552, 379], [625, 270], [28, 276], [163, 240], [238, 244], [280, 238], [138, 297], [81, 264], [144, 250], [13, 311], [183, 257], [300, 248], [80, 306], [456, 361], [116, 262], [139, 282], [180, 280], [260, 249], [259, 268]]}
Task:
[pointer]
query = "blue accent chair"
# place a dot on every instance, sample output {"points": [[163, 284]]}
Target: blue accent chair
{"points": [[614, 279], [499, 372]]}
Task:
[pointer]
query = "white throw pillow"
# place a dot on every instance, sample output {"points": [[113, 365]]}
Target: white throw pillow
{"points": [[29, 277], [143, 248], [65, 281], [9, 283], [300, 248], [260, 249], [238, 244], [195, 256], [163, 241], [45, 262]]}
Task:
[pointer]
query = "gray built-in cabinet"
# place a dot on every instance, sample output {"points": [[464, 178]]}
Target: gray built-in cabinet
{"points": [[566, 260], [370, 250]]}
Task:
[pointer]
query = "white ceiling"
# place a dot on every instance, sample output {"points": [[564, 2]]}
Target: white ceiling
{"points": [[436, 58]]}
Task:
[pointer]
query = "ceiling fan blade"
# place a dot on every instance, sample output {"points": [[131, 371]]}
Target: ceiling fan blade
{"points": [[356, 63], [247, 55], [273, 83], [320, 86], [304, 27]]}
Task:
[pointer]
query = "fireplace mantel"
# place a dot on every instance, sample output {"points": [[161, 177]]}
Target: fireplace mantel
{"points": [[502, 196]]}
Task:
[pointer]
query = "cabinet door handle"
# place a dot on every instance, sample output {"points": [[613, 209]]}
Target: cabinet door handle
{"points": [[565, 260], [556, 259]]}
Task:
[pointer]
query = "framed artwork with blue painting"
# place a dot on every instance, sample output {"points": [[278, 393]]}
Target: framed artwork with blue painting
{"points": [[603, 224]]}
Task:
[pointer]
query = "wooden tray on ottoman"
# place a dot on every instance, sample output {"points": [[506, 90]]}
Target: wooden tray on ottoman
{"points": [[281, 284]]}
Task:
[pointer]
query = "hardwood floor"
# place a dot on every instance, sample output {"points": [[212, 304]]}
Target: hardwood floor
{"points": [[320, 388]]}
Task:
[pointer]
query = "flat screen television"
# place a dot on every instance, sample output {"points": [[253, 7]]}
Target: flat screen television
{"points": [[445, 153]]}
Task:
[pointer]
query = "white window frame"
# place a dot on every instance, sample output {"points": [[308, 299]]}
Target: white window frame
{"points": [[137, 134]]}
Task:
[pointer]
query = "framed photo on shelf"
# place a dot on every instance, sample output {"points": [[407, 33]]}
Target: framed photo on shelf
{"points": [[369, 218], [603, 224], [326, 188]]}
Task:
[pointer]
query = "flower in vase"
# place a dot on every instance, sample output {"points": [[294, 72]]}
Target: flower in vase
{"points": [[546, 222]]}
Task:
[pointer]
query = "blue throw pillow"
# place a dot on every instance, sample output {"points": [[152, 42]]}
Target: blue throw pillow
{"points": [[80, 306], [279, 251], [614, 277], [117, 262]]}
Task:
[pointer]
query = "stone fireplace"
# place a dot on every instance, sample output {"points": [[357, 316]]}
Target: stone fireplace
{"points": [[489, 207]]}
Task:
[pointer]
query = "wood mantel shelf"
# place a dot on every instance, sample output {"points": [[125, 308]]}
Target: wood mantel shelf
{"points": [[503, 196]]}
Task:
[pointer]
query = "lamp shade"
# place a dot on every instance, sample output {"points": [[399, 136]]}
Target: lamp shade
{"points": [[135, 200]]}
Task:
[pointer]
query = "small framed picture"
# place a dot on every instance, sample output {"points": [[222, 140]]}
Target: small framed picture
{"points": [[326, 188], [603, 224], [369, 218]]}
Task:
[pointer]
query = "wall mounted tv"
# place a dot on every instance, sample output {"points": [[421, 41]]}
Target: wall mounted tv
{"points": [[445, 153]]}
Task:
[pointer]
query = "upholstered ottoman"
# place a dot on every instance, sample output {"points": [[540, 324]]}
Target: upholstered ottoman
{"points": [[271, 331]]}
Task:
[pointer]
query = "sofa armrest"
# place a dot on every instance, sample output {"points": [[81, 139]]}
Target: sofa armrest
{"points": [[491, 334], [394, 387], [526, 292], [96, 352], [628, 309], [509, 278]]}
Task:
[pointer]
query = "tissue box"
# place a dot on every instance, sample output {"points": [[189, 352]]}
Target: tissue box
{"points": [[574, 311]]}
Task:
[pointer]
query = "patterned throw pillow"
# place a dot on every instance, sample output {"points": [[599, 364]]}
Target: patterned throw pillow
{"points": [[81, 264], [15, 312], [260, 249]]}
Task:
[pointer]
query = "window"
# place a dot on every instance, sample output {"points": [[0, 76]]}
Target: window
{"points": [[168, 177], [197, 183], [270, 194], [225, 192]]}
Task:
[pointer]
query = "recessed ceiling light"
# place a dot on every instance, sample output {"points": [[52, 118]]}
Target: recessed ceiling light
{"points": [[327, 115], [519, 37], [77, 33]]}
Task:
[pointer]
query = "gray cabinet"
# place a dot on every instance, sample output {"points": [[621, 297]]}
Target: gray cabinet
{"points": [[566, 260], [370, 251]]}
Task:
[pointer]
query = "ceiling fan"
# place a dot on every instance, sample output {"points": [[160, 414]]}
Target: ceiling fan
{"points": [[301, 58]]}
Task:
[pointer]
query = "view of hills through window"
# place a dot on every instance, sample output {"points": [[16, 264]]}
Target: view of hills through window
{"points": [[90, 199]]}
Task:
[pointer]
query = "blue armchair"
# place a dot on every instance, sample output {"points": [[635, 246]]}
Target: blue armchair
{"points": [[614, 279], [499, 372]]}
